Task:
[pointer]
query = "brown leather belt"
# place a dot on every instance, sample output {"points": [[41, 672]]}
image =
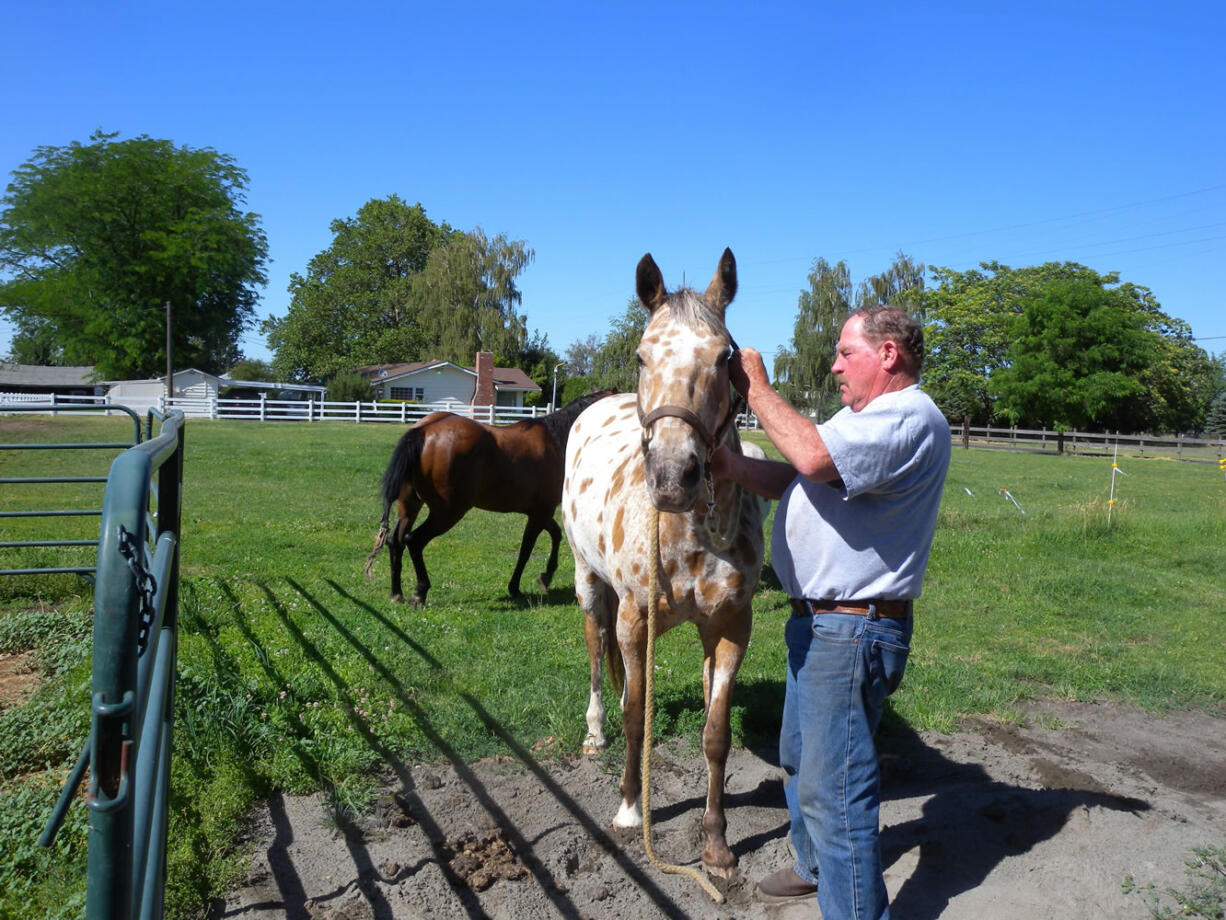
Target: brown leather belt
{"points": [[874, 610]]}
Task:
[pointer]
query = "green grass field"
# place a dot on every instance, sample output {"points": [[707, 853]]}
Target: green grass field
{"points": [[298, 674]]}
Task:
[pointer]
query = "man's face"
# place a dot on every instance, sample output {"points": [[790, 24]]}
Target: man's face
{"points": [[858, 366]]}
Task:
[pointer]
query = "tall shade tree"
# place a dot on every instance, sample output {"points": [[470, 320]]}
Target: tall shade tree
{"points": [[973, 322], [395, 286], [1075, 361], [96, 238], [356, 304]]}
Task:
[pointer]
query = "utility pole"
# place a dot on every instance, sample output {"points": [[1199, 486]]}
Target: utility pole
{"points": [[553, 400], [170, 359]]}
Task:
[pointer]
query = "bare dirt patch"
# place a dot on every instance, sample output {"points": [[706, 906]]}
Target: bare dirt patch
{"points": [[1000, 821], [18, 677]]}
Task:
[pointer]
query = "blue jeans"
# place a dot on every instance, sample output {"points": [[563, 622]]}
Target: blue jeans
{"points": [[841, 667]]}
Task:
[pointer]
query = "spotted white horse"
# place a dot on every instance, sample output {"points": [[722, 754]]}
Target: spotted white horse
{"points": [[628, 453]]}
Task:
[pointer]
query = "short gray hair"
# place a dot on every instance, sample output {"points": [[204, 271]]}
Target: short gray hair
{"points": [[883, 323]]}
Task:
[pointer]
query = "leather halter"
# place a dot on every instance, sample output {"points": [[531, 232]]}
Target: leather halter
{"points": [[708, 439]]}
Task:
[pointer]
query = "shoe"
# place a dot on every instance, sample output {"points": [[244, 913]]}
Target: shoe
{"points": [[784, 886]]}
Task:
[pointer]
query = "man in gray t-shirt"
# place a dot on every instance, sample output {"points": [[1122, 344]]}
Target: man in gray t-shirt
{"points": [[857, 513]]}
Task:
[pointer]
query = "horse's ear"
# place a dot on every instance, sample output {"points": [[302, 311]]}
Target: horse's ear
{"points": [[722, 288], [649, 283]]}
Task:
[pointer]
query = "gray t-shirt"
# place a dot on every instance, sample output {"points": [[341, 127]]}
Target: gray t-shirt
{"points": [[869, 537]]}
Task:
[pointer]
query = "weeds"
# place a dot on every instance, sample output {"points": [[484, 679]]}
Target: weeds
{"points": [[1206, 896]]}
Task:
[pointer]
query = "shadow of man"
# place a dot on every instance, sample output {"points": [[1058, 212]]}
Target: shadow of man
{"points": [[969, 822]]}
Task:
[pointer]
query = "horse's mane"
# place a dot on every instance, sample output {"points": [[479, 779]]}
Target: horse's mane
{"points": [[559, 422], [689, 309]]}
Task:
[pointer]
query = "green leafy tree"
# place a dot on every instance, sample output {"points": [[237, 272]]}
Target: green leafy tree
{"points": [[538, 361], [1076, 360], [970, 327], [1215, 422], [615, 364], [356, 304], [395, 286], [96, 238], [349, 387], [253, 369]]}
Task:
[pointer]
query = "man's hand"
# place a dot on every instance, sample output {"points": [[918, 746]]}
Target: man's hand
{"points": [[747, 371]]}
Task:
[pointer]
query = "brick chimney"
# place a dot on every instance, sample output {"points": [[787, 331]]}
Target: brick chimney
{"points": [[483, 393]]}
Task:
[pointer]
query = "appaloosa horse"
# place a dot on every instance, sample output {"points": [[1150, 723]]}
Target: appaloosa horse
{"points": [[629, 453], [452, 464]]}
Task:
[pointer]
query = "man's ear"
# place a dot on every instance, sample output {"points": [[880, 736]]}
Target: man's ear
{"points": [[891, 357]]}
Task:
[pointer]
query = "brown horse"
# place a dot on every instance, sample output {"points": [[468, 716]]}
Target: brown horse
{"points": [[626, 456], [452, 464]]}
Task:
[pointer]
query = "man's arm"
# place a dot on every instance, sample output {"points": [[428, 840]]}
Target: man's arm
{"points": [[768, 478], [792, 434]]}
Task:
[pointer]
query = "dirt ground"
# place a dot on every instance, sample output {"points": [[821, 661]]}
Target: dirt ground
{"points": [[998, 822]]}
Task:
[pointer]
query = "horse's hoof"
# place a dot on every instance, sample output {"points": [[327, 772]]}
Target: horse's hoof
{"points": [[591, 749], [397, 598], [543, 581], [727, 873], [417, 600], [719, 862]]}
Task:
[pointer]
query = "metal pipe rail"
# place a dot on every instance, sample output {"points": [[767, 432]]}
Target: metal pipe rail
{"points": [[41, 408], [135, 649]]}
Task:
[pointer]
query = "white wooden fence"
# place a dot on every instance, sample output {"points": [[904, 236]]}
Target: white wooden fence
{"points": [[1177, 447], [291, 410]]}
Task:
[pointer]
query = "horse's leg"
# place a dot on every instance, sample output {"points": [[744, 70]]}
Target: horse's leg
{"points": [[555, 536], [632, 637], [435, 525], [595, 598], [722, 659], [532, 530], [408, 506]]}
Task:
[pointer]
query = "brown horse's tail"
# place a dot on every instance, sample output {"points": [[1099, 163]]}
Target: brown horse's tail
{"points": [[401, 468]]}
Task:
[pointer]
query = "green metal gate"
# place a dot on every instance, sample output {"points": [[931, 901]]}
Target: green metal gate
{"points": [[135, 620]]}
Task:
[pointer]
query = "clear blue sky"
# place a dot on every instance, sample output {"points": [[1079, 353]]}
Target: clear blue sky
{"points": [[1092, 132]]}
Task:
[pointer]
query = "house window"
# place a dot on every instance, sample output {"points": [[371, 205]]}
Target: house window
{"points": [[408, 393]]}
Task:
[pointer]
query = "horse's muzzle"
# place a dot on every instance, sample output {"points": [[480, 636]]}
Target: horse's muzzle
{"points": [[674, 479]]}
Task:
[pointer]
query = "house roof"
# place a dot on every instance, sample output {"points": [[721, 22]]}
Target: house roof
{"points": [[30, 375], [505, 378]]}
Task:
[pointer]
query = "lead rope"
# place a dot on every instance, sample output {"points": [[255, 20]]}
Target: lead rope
{"points": [[653, 581]]}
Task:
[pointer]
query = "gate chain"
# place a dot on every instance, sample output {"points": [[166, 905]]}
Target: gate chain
{"points": [[146, 585]]}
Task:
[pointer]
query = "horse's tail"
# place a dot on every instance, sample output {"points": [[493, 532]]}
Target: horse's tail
{"points": [[402, 466]]}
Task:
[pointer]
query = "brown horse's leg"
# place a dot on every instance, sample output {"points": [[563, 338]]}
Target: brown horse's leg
{"points": [[408, 506], [722, 659], [532, 530], [435, 525], [632, 636], [555, 536]]}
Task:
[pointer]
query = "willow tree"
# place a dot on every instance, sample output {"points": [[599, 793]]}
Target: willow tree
{"points": [[468, 301], [802, 370]]}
